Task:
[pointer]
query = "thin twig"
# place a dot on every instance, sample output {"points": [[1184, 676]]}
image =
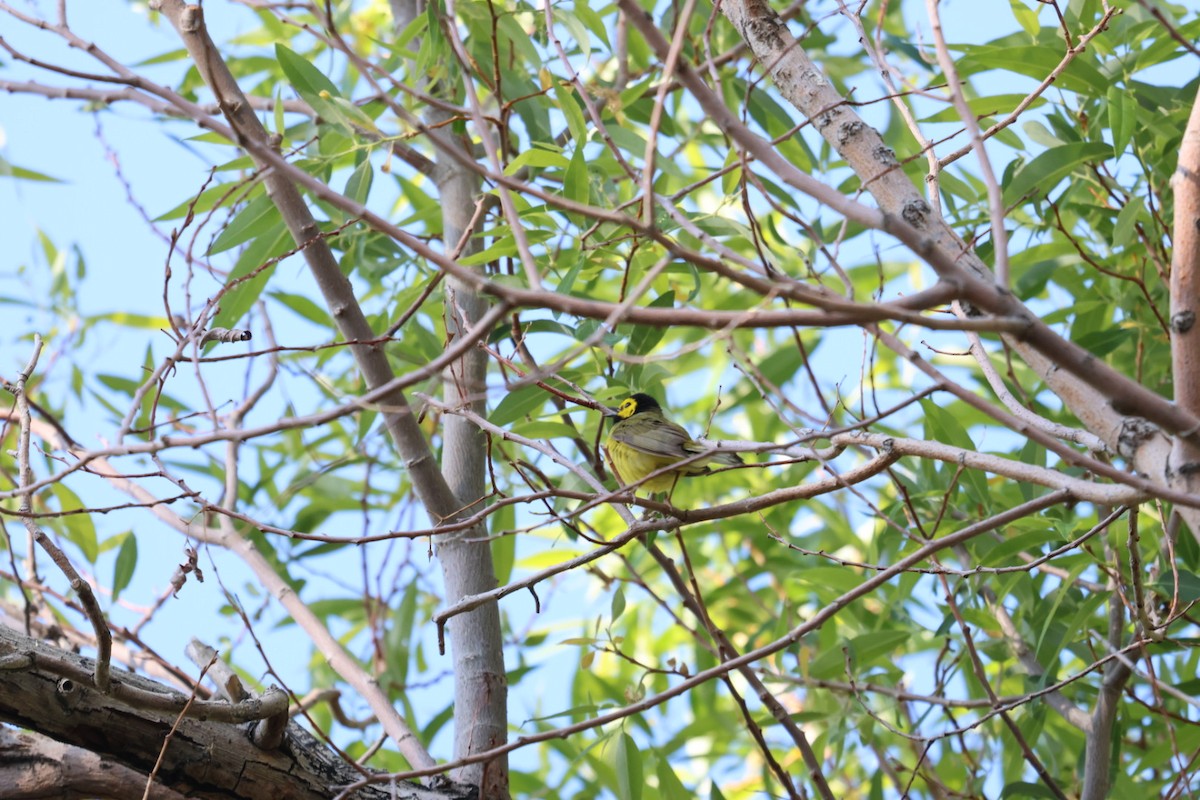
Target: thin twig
{"points": [[82, 588]]}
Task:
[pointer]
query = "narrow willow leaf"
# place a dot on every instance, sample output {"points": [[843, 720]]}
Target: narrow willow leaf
{"points": [[517, 404], [627, 763], [1044, 172], [258, 216], [125, 564]]}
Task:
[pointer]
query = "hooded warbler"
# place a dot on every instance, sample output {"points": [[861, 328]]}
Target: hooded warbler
{"points": [[643, 441]]}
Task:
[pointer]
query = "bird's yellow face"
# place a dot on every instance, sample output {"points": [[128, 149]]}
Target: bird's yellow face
{"points": [[628, 408]]}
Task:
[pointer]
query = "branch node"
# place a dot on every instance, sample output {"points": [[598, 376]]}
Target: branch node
{"points": [[68, 693], [916, 213], [192, 18], [1134, 432]]}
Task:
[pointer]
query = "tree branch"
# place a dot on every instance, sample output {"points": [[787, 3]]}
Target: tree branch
{"points": [[1185, 290], [1070, 371], [209, 759]]}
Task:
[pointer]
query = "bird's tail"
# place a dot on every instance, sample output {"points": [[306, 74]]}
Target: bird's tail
{"points": [[725, 457]]}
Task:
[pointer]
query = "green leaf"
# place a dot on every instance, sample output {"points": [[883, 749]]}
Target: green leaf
{"points": [[127, 319], [10, 170], [125, 563], [544, 429], [501, 248], [1044, 172], [216, 138], [1189, 586], [366, 420], [993, 105], [1040, 134], [1053, 636], [245, 290], [618, 605], [78, 528], [168, 57], [517, 404], [503, 542], [782, 365], [627, 763], [309, 82], [1003, 554], [280, 121], [304, 307], [400, 633], [358, 185], [592, 20], [732, 178], [579, 32], [862, 651], [575, 181], [351, 117], [833, 579], [1023, 789], [210, 198], [1026, 17], [646, 337], [538, 157], [1033, 280], [1034, 61], [1122, 117], [669, 785], [258, 217], [571, 112], [1101, 343], [1125, 232], [945, 427]]}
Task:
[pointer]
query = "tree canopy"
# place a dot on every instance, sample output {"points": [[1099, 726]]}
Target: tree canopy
{"points": [[936, 281]]}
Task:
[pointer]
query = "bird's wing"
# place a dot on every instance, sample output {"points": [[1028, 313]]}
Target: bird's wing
{"points": [[664, 439]]}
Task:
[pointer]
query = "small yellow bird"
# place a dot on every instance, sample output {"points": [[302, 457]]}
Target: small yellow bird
{"points": [[643, 441]]}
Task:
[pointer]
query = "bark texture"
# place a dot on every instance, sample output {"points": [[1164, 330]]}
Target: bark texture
{"points": [[44, 688]]}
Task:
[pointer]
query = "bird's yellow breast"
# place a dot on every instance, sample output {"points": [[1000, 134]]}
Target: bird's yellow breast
{"points": [[633, 465]]}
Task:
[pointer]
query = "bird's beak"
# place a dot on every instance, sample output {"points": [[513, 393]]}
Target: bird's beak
{"points": [[609, 412]]}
